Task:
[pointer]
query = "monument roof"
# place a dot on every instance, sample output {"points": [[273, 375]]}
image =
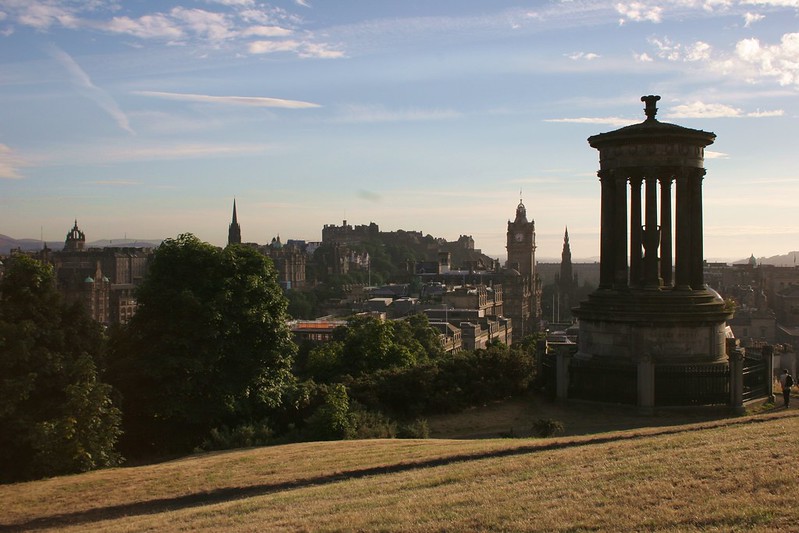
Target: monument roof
{"points": [[652, 130]]}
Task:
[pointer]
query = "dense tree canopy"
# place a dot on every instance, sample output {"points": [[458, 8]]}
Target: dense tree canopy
{"points": [[368, 344], [208, 346], [56, 416]]}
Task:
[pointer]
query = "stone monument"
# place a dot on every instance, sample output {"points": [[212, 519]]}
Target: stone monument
{"points": [[652, 314]]}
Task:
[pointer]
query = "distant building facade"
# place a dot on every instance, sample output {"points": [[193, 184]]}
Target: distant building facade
{"points": [[104, 280]]}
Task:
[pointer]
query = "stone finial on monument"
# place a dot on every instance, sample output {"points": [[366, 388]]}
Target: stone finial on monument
{"points": [[651, 107]]}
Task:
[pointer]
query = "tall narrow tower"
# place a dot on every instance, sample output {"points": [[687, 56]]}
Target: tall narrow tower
{"points": [[234, 231], [565, 282], [521, 242], [523, 289]]}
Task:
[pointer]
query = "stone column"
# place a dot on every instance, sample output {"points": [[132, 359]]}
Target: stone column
{"points": [[768, 356], [562, 360], [606, 253], [620, 234], [682, 269], [736, 380], [651, 236], [646, 385], [635, 232], [665, 230], [697, 247]]}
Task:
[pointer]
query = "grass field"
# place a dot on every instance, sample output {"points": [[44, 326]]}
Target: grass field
{"points": [[738, 474]]}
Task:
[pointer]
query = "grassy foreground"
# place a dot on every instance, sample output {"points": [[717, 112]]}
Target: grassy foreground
{"points": [[733, 475]]}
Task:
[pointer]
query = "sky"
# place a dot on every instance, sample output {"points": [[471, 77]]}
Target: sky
{"points": [[145, 119]]}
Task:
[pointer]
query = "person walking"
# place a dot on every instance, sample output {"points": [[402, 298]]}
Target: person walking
{"points": [[786, 382]]}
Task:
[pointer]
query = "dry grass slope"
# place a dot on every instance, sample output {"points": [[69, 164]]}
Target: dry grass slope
{"points": [[732, 475]]}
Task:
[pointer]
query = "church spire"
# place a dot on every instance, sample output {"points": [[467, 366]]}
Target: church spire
{"points": [[566, 255], [234, 231]]}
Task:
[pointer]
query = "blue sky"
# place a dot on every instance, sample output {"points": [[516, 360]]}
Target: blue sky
{"points": [[146, 118]]}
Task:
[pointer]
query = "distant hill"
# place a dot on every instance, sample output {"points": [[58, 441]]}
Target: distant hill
{"points": [[787, 260], [9, 243], [29, 245]]}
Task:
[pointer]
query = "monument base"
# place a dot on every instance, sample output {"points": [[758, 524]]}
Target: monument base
{"points": [[666, 326]]}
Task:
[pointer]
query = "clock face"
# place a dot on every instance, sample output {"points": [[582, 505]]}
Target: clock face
{"points": [[519, 237]]}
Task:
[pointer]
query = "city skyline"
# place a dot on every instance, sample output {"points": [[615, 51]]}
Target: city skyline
{"points": [[147, 119]]}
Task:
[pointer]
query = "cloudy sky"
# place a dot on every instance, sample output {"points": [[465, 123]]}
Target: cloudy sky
{"points": [[146, 118]]}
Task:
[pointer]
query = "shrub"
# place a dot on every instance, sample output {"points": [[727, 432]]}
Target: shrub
{"points": [[244, 436], [546, 427], [372, 425], [416, 429], [332, 420]]}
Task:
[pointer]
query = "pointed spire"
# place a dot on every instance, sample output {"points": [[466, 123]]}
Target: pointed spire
{"points": [[234, 230], [566, 236]]}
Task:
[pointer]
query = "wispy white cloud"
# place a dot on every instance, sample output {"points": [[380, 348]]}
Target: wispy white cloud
{"points": [[271, 47], [750, 60], [703, 110], [777, 61], [319, 50], [587, 56], [266, 31], [302, 49], [639, 12], [765, 114], [84, 84], [230, 23], [710, 154], [42, 15], [10, 163], [698, 51], [671, 51], [157, 26], [751, 18], [252, 101], [772, 3], [609, 121]]}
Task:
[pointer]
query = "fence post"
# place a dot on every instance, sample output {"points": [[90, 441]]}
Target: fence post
{"points": [[736, 381], [646, 385], [562, 373]]}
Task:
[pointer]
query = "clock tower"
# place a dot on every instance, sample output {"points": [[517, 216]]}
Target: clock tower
{"points": [[522, 286], [521, 243]]}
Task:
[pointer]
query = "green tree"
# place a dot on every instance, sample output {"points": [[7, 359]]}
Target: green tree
{"points": [[208, 347], [56, 416]]}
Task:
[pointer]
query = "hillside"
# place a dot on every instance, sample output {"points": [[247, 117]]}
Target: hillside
{"points": [[784, 260], [732, 475]]}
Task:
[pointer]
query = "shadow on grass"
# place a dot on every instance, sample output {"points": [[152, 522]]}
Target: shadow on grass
{"points": [[230, 494]]}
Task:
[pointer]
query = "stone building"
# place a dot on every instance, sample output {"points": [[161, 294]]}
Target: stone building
{"points": [[290, 261], [103, 279], [347, 234]]}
